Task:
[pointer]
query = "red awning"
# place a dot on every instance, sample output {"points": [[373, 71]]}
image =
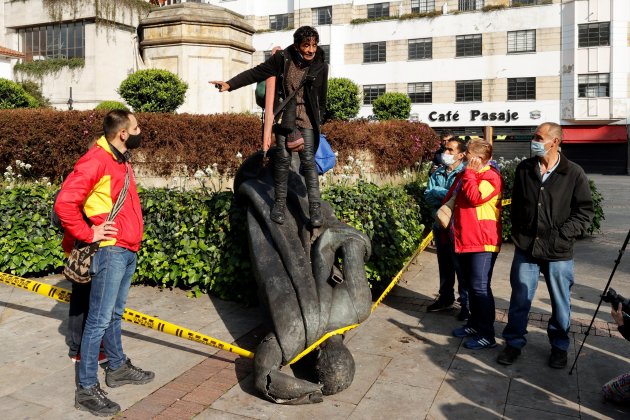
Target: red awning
{"points": [[594, 134]]}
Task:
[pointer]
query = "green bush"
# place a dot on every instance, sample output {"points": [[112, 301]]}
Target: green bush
{"points": [[110, 106], [12, 95], [392, 106], [153, 91], [343, 100], [33, 89]]}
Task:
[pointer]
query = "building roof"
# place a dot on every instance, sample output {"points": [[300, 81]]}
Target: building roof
{"points": [[6, 52]]}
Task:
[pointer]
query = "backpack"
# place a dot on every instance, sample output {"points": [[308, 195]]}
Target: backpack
{"points": [[55, 221], [260, 94]]}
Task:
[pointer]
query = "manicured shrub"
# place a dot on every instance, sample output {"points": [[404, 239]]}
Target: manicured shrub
{"points": [[110, 106], [392, 106], [35, 90], [343, 100], [12, 95], [153, 90]]}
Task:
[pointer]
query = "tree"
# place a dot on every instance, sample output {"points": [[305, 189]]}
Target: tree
{"points": [[342, 101], [392, 106], [153, 91], [12, 95]]}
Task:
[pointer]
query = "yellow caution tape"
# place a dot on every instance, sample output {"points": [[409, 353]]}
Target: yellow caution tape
{"points": [[138, 318]]}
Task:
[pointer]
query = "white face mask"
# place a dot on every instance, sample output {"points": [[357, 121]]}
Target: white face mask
{"points": [[538, 149], [448, 159]]}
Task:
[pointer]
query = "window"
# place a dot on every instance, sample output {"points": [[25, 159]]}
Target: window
{"points": [[420, 93], [528, 2], [326, 49], [322, 15], [371, 92], [468, 45], [420, 49], [594, 34], [521, 41], [279, 22], [520, 88], [65, 40], [374, 52], [267, 55], [470, 4], [593, 85], [378, 10], [468, 91], [422, 6]]}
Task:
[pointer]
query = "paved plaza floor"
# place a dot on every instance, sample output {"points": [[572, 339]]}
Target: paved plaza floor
{"points": [[408, 364]]}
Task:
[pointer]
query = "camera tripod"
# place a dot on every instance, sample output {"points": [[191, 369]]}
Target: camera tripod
{"points": [[601, 298]]}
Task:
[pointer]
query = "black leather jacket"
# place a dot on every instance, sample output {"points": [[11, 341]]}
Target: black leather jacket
{"points": [[315, 88], [547, 217]]}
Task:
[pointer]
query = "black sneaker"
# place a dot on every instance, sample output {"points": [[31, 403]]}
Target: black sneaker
{"points": [[439, 305], [127, 374], [463, 314], [557, 358], [94, 400], [508, 355]]}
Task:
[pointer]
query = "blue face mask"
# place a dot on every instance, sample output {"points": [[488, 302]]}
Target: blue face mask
{"points": [[538, 148]]}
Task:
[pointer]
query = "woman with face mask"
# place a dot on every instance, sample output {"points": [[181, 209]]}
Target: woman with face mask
{"points": [[300, 68], [476, 229]]}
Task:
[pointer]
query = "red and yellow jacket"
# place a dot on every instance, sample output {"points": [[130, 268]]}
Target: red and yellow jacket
{"points": [[476, 218], [92, 188]]}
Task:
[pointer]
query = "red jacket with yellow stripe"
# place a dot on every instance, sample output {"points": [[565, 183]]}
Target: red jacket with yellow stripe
{"points": [[476, 218], [92, 188]]}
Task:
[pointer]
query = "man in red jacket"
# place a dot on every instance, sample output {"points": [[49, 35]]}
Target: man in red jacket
{"points": [[91, 190]]}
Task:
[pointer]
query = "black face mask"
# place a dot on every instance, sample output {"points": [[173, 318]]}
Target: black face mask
{"points": [[133, 141]]}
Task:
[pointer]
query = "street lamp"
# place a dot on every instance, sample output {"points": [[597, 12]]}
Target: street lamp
{"points": [[70, 101]]}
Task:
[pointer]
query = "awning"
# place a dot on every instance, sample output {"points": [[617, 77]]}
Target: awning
{"points": [[595, 134]]}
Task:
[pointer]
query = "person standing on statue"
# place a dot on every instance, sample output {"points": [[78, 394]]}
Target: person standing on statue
{"points": [[302, 76]]}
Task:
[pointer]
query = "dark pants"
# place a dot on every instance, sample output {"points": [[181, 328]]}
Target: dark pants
{"points": [[307, 158], [477, 269], [79, 304], [448, 266]]}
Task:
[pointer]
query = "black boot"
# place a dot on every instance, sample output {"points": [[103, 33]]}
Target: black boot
{"points": [[315, 211], [277, 212]]}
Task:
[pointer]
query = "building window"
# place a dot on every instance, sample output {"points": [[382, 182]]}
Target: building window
{"points": [[528, 2], [377, 10], [422, 6], [521, 88], [371, 92], [322, 15], [521, 41], [279, 22], [374, 52], [326, 49], [470, 4], [420, 93], [420, 49], [66, 40], [468, 45], [594, 85], [594, 34], [468, 91]]}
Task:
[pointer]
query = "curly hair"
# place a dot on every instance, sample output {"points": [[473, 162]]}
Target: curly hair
{"points": [[304, 33]]}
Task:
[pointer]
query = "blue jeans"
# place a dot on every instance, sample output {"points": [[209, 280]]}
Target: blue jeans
{"points": [[448, 266], [477, 269], [111, 269], [524, 280]]}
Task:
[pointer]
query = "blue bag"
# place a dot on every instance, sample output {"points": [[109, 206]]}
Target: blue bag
{"points": [[325, 158]]}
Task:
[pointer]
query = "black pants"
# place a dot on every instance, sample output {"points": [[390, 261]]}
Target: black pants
{"points": [[307, 158], [79, 304]]}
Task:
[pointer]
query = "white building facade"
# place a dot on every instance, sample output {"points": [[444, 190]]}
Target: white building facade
{"points": [[475, 67]]}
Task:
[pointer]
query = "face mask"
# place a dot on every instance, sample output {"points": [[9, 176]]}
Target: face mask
{"points": [[448, 159], [133, 141], [538, 148]]}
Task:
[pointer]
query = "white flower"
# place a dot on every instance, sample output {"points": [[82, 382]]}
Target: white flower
{"points": [[9, 168], [347, 168], [18, 162], [350, 159], [19, 176], [199, 173], [239, 155], [48, 184], [27, 166], [209, 171], [215, 166], [358, 162]]}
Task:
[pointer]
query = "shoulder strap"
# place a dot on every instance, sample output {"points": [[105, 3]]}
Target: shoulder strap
{"points": [[122, 196]]}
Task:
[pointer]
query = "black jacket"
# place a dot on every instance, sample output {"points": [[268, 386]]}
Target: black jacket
{"points": [[315, 88], [548, 217]]}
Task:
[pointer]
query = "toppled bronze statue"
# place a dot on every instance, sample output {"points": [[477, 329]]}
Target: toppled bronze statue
{"points": [[310, 281]]}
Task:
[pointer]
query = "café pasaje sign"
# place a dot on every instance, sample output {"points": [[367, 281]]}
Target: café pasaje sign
{"points": [[475, 115]]}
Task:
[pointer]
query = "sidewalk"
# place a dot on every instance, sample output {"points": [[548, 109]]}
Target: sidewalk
{"points": [[408, 364]]}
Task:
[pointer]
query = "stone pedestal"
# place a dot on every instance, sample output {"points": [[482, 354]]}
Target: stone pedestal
{"points": [[199, 43]]}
